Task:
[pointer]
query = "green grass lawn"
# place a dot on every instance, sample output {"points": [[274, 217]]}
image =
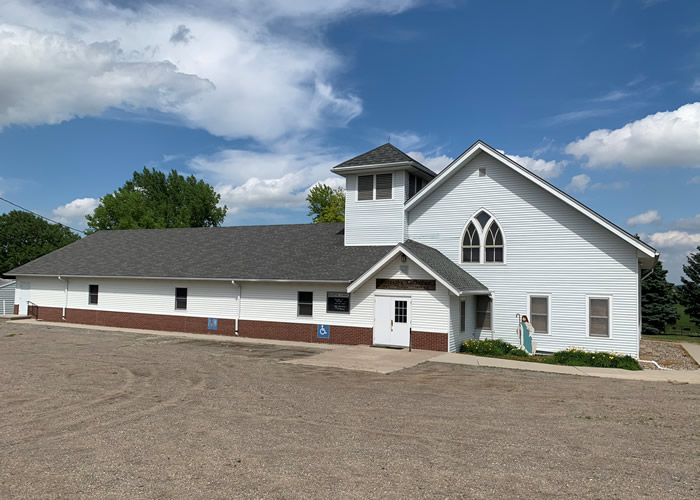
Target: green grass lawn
{"points": [[674, 338], [683, 326]]}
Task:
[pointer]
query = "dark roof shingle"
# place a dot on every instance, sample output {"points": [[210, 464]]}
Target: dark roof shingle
{"points": [[284, 252], [461, 280], [386, 153]]}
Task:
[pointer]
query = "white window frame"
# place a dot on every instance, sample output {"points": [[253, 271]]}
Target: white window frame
{"points": [[299, 303], [482, 239], [547, 296], [609, 297], [97, 295], [374, 188], [187, 296]]}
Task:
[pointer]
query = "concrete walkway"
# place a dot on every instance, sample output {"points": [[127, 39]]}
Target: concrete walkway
{"points": [[366, 358], [676, 376]]}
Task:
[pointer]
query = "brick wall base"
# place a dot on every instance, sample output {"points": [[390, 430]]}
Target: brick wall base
{"points": [[301, 332]]}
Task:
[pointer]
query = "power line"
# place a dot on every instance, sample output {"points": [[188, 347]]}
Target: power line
{"points": [[39, 215]]}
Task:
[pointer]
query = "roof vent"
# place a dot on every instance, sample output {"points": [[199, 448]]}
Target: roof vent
{"points": [[482, 172]]}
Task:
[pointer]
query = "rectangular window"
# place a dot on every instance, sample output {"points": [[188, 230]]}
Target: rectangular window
{"points": [[384, 185], [92, 295], [462, 316], [365, 187], [539, 313], [483, 312], [599, 317], [181, 298], [305, 303], [401, 311], [337, 302]]}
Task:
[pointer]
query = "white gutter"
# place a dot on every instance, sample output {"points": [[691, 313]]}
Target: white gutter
{"points": [[651, 271], [85, 276]]}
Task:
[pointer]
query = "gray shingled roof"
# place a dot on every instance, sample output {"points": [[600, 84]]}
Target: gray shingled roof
{"points": [[462, 281], [288, 252], [387, 153]]}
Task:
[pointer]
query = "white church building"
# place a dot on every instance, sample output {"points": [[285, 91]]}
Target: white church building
{"points": [[423, 259]]}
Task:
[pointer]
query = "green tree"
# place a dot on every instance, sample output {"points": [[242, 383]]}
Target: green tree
{"points": [[689, 291], [150, 199], [326, 204], [25, 237], [658, 302]]}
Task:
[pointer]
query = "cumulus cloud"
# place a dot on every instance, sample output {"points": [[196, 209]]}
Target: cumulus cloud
{"points": [[546, 169], [241, 76], [647, 217], [674, 239], [578, 183], [613, 186], [665, 139], [434, 163], [74, 212], [50, 78]]}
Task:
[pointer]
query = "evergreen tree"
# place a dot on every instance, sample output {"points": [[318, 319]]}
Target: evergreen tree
{"points": [[658, 302], [689, 292]]}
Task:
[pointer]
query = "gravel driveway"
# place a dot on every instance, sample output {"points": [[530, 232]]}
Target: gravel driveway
{"points": [[87, 414]]}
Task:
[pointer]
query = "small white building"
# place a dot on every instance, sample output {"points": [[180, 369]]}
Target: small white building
{"points": [[425, 259]]}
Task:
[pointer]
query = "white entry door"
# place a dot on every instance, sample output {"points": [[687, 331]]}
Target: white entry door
{"points": [[392, 321], [23, 296]]}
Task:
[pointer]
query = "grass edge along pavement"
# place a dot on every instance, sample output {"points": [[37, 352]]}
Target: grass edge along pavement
{"points": [[573, 356]]}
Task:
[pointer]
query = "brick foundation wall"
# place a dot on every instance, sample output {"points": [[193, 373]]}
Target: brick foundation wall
{"points": [[430, 341], [300, 332]]}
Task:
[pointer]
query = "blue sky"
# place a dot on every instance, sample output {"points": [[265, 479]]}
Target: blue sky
{"points": [[261, 98]]}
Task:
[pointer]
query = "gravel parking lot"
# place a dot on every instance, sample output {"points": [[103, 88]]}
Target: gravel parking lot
{"points": [[87, 414]]}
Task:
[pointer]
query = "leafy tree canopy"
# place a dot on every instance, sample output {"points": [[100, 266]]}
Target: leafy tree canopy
{"points": [[326, 204], [689, 292], [658, 302], [151, 200], [25, 237]]}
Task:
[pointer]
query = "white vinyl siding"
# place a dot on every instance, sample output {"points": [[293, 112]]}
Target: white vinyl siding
{"points": [[550, 246], [7, 298], [375, 221]]}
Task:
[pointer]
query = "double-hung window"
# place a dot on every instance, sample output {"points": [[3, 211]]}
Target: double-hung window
{"points": [[539, 313], [92, 295], [462, 315], [599, 317], [181, 298], [305, 303]]}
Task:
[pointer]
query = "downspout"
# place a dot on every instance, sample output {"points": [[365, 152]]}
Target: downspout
{"points": [[656, 259], [65, 298], [240, 296]]}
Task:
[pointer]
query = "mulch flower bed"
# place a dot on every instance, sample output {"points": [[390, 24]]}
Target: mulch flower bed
{"points": [[667, 354]]}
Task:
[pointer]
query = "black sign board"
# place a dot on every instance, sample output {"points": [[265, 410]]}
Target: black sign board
{"points": [[399, 284], [338, 302]]}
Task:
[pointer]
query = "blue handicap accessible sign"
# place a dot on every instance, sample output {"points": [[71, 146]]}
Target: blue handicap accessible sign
{"points": [[323, 331], [211, 323]]}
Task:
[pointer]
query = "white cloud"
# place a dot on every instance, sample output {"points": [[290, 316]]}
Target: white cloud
{"points": [[74, 212], [229, 69], [572, 116], [647, 217], [694, 180], [405, 140], [434, 163], [578, 183], [674, 239], [546, 169], [614, 95], [665, 139]]}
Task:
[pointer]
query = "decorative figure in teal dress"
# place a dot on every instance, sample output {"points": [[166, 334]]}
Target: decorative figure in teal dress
{"points": [[525, 329]]}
